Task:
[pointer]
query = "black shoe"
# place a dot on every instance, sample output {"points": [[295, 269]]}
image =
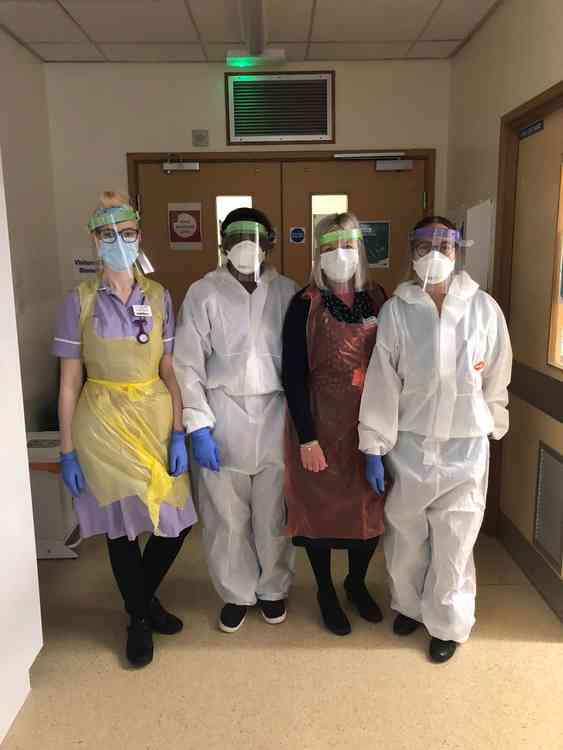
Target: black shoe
{"points": [[232, 617], [139, 642], [273, 612], [161, 621], [333, 616], [440, 651], [404, 625], [365, 603]]}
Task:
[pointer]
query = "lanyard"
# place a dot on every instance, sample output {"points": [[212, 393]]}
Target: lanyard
{"points": [[142, 337]]}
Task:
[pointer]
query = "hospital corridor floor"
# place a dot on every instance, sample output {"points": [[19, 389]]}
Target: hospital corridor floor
{"points": [[293, 685]]}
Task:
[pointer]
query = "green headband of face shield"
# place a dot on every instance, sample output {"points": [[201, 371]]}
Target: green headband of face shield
{"points": [[246, 227], [102, 217], [341, 234]]}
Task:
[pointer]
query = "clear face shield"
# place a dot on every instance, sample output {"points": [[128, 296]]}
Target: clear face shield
{"points": [[245, 245], [341, 257], [118, 238], [438, 255]]}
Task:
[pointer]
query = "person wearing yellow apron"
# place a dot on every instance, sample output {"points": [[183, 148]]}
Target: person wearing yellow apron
{"points": [[124, 456]]}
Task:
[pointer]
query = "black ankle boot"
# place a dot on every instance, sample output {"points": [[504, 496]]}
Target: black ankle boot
{"points": [[404, 625], [139, 642], [332, 614], [366, 605], [440, 651], [161, 621]]}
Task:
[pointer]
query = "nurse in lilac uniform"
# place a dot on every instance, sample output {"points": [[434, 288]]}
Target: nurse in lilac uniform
{"points": [[123, 445]]}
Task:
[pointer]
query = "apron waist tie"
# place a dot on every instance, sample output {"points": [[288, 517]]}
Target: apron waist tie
{"points": [[135, 391]]}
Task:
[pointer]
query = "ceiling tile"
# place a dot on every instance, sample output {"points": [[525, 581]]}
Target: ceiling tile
{"points": [[133, 20], [361, 51], [457, 18], [217, 21], [433, 49], [67, 52], [153, 52], [373, 21], [287, 24], [39, 21]]}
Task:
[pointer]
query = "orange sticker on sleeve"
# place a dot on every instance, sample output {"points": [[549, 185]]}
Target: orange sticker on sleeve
{"points": [[358, 377], [479, 366]]}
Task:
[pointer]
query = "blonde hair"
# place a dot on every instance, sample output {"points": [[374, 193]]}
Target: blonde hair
{"points": [[331, 223], [113, 199]]}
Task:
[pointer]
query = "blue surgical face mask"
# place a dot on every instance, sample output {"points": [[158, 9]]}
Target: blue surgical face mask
{"points": [[119, 255]]}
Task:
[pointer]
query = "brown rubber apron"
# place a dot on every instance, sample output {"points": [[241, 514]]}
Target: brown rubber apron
{"points": [[338, 502]]}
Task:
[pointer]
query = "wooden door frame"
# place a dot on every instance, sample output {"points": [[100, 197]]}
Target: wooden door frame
{"points": [[428, 155], [533, 386]]}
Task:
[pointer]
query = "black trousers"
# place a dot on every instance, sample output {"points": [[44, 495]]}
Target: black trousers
{"points": [[138, 575]]}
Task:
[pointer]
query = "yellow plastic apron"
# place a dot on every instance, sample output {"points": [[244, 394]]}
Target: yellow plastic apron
{"points": [[123, 420]]}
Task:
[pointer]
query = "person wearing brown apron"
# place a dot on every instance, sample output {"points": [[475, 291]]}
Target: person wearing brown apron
{"points": [[329, 334]]}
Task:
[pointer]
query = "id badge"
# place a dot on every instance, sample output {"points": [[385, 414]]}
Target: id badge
{"points": [[142, 311]]}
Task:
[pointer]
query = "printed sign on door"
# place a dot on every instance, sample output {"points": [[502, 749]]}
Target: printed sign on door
{"points": [[184, 226]]}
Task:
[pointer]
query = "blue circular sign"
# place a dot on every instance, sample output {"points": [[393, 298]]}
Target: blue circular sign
{"points": [[297, 235]]}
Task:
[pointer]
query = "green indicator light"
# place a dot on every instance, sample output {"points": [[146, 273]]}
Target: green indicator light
{"points": [[242, 62]]}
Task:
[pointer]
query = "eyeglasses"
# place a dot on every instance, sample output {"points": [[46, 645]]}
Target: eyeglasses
{"points": [[423, 247], [110, 235]]}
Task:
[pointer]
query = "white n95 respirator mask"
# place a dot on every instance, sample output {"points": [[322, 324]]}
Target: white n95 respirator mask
{"points": [[246, 257], [341, 264], [434, 267]]}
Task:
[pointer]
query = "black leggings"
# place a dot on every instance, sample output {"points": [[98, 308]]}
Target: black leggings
{"points": [[139, 575], [359, 558]]}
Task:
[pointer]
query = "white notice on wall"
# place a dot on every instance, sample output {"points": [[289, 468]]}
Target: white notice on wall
{"points": [[479, 227]]}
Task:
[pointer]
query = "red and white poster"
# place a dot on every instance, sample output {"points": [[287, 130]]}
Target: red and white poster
{"points": [[184, 226]]}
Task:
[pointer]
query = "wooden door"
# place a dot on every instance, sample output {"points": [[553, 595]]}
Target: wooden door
{"points": [[394, 197], [177, 269], [535, 306]]}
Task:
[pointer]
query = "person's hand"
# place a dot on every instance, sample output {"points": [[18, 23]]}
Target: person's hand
{"points": [[72, 473], [177, 454], [205, 449], [312, 457], [375, 473]]}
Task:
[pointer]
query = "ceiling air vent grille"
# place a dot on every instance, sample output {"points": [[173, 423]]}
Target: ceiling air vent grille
{"points": [[280, 108]]}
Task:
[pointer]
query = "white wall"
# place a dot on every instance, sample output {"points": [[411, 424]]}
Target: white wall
{"points": [[20, 618], [517, 54], [98, 113], [24, 140]]}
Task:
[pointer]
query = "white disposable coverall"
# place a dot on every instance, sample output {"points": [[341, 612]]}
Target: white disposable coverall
{"points": [[436, 388], [227, 359]]}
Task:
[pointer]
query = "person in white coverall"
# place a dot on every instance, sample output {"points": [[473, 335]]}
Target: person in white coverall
{"points": [[436, 390], [228, 365]]}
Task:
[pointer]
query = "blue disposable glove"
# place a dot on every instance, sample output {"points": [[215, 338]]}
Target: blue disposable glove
{"points": [[72, 473], [205, 449], [375, 473], [177, 454]]}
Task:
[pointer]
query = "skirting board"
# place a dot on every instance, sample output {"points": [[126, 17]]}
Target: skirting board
{"points": [[541, 575]]}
